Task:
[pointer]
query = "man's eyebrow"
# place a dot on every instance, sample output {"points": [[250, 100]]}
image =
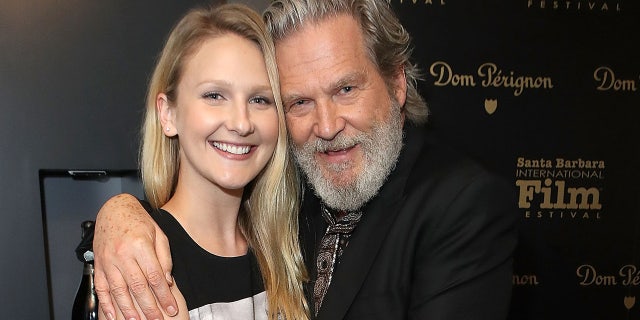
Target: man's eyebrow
{"points": [[350, 79]]}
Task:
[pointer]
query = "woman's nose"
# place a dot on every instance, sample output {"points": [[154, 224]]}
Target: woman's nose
{"points": [[240, 120]]}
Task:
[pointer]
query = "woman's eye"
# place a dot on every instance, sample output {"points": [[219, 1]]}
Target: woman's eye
{"points": [[260, 100], [212, 95]]}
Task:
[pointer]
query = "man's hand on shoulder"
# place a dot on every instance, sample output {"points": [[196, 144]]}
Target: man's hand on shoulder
{"points": [[132, 261]]}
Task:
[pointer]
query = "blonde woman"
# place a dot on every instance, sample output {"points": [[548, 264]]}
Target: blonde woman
{"points": [[216, 170]]}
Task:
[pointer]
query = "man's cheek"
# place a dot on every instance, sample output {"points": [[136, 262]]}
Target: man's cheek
{"points": [[299, 134]]}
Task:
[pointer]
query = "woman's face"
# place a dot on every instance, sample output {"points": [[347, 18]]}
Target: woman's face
{"points": [[224, 115]]}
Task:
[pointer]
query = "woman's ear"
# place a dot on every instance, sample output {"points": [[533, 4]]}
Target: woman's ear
{"points": [[166, 113]]}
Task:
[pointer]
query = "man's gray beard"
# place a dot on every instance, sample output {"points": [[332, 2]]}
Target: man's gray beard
{"points": [[381, 148]]}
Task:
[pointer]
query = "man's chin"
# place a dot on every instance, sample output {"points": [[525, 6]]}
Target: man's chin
{"points": [[341, 179]]}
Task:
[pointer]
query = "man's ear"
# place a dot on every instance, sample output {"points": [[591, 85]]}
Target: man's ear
{"points": [[400, 86], [166, 113]]}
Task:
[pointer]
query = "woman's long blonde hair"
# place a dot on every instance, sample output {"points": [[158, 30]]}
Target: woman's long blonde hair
{"points": [[268, 215]]}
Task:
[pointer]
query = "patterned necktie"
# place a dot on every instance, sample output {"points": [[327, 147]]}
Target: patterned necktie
{"points": [[332, 245]]}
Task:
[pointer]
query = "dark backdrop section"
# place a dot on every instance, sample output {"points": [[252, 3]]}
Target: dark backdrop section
{"points": [[73, 78], [546, 94]]}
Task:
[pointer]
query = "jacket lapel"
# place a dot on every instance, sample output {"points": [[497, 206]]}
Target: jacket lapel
{"points": [[312, 227], [368, 237], [356, 262]]}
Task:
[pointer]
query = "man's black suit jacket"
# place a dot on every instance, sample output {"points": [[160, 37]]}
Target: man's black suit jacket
{"points": [[436, 243]]}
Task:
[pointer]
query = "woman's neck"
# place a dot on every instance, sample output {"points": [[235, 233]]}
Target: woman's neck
{"points": [[210, 217]]}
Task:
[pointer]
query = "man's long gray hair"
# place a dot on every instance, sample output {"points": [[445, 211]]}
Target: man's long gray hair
{"points": [[388, 43]]}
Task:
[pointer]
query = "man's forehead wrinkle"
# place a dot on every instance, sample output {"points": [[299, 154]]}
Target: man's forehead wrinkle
{"points": [[307, 70], [306, 63], [323, 51], [350, 78]]}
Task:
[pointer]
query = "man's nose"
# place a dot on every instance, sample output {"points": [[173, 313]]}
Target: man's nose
{"points": [[329, 121]]}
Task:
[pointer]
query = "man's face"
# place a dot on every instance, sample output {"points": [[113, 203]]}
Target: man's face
{"points": [[345, 126]]}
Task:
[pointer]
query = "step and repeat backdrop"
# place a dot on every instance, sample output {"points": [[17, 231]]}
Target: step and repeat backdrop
{"points": [[547, 94]]}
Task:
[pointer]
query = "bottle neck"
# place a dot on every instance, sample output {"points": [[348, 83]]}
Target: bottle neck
{"points": [[88, 269]]}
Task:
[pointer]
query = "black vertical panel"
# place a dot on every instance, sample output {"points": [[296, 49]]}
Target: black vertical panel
{"points": [[574, 129]]}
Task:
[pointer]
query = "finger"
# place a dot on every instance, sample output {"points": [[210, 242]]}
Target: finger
{"points": [[159, 274], [139, 288], [119, 292], [104, 297], [119, 315]]}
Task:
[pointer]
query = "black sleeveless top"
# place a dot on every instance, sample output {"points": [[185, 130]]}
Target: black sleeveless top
{"points": [[212, 285]]}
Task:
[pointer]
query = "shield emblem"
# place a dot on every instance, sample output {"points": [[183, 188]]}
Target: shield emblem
{"points": [[490, 105], [629, 302]]}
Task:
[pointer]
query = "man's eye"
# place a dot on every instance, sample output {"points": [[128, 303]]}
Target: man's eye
{"points": [[346, 89], [297, 105]]}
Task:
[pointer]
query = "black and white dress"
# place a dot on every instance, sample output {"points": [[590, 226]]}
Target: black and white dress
{"points": [[214, 287]]}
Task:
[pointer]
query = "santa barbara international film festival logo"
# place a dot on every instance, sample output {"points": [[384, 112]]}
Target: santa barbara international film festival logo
{"points": [[560, 188]]}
